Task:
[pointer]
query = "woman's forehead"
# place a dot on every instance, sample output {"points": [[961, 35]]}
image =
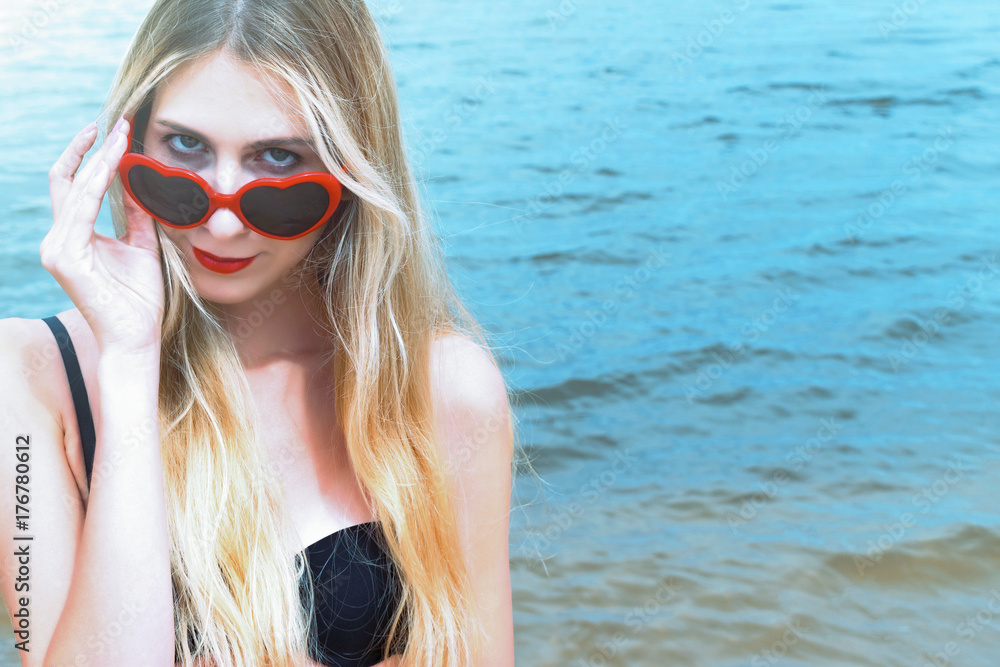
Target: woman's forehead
{"points": [[228, 100]]}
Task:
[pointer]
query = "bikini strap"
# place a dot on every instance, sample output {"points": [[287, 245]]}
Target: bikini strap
{"points": [[84, 416]]}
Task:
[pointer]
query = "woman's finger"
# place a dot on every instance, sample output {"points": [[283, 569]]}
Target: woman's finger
{"points": [[85, 172], [94, 185], [61, 173], [140, 229]]}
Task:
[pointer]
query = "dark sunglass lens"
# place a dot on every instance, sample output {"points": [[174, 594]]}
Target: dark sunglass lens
{"points": [[174, 199], [287, 212]]}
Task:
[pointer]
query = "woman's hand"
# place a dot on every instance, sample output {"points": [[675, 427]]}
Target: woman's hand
{"points": [[115, 283]]}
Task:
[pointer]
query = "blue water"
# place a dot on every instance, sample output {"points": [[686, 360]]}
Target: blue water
{"points": [[742, 262]]}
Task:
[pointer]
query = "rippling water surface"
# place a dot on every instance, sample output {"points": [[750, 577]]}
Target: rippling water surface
{"points": [[742, 260]]}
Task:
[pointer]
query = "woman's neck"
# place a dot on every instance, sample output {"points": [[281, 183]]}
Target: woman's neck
{"points": [[282, 324]]}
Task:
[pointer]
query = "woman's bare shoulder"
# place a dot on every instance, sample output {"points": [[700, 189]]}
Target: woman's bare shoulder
{"points": [[469, 395], [32, 364], [36, 389], [27, 350], [463, 371]]}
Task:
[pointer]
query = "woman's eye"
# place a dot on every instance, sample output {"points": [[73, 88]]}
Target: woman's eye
{"points": [[183, 145], [281, 157], [183, 142]]}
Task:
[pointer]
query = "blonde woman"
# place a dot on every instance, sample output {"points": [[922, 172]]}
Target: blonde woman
{"points": [[266, 434]]}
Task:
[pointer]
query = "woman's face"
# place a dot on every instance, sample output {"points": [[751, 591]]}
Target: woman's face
{"points": [[218, 119]]}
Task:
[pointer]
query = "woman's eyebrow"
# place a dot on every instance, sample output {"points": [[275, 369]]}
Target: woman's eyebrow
{"points": [[262, 143]]}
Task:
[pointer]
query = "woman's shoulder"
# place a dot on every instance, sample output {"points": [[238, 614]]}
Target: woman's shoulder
{"points": [[469, 395], [36, 393], [26, 349], [32, 363], [464, 372]]}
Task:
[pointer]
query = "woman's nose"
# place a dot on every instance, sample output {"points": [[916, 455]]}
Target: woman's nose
{"points": [[224, 223], [227, 177]]}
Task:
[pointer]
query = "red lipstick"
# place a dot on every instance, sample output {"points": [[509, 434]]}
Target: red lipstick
{"points": [[221, 264]]}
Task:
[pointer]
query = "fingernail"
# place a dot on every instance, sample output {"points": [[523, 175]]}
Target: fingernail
{"points": [[119, 124], [90, 127]]}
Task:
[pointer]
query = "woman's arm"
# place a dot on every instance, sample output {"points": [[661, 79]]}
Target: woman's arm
{"points": [[119, 607], [118, 594], [38, 495], [75, 592], [473, 416]]}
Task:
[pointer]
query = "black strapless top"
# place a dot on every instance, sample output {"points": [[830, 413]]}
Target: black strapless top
{"points": [[355, 588]]}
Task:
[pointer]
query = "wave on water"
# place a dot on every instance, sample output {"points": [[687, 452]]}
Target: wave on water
{"points": [[967, 556]]}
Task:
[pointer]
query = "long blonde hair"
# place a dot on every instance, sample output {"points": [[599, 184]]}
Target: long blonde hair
{"points": [[380, 275]]}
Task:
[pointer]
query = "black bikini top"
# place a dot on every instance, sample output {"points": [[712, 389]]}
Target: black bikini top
{"points": [[355, 588]]}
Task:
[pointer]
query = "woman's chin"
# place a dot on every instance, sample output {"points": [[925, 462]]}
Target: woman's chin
{"points": [[223, 292]]}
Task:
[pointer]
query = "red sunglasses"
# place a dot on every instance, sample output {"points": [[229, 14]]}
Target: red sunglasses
{"points": [[279, 208]]}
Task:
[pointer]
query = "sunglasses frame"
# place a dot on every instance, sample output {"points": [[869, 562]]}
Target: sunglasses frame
{"points": [[232, 201]]}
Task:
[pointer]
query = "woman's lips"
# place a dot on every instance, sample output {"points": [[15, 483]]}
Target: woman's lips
{"points": [[221, 264]]}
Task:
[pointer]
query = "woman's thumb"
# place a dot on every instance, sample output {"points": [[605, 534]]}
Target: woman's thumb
{"points": [[140, 228]]}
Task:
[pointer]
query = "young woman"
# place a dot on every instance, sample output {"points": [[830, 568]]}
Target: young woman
{"points": [[264, 435]]}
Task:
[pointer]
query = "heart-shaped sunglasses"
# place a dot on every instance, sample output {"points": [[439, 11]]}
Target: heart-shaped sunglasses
{"points": [[279, 208]]}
